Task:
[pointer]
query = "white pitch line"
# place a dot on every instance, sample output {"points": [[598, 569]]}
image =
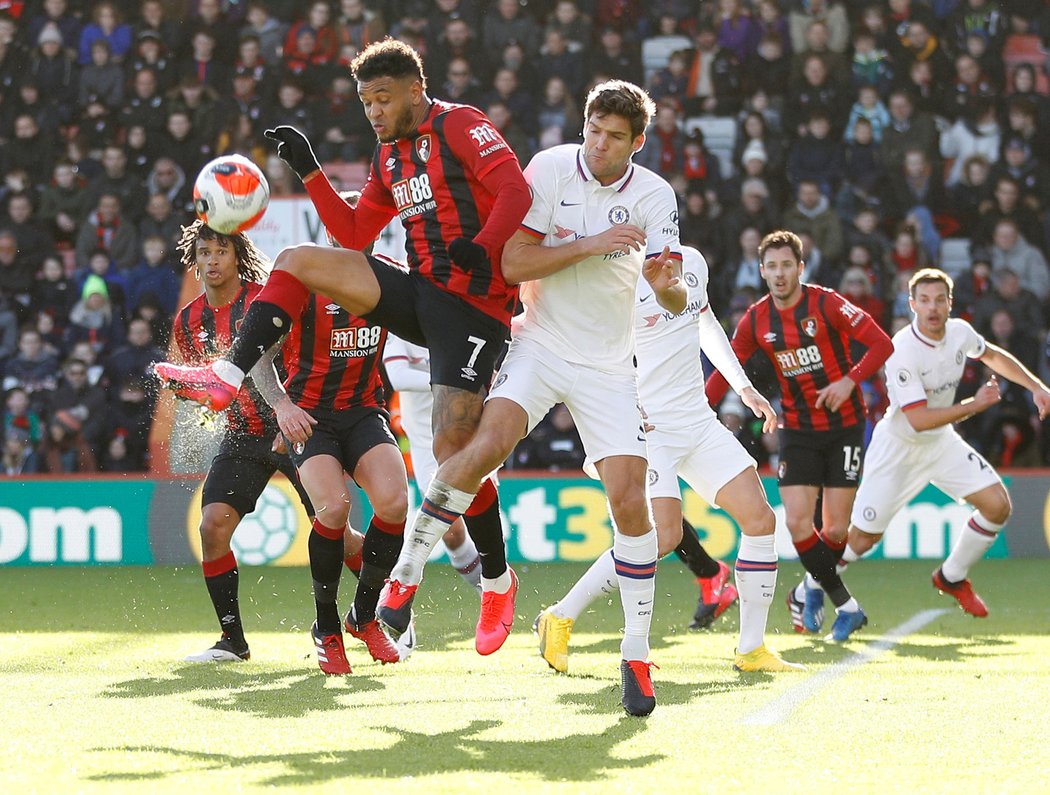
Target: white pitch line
{"points": [[779, 709]]}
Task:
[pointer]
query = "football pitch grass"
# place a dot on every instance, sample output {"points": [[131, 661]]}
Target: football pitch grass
{"points": [[95, 697]]}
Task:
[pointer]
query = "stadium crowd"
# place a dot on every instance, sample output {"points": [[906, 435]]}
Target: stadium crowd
{"points": [[888, 135]]}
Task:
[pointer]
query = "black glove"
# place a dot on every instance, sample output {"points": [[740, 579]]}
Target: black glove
{"points": [[294, 149], [468, 255]]}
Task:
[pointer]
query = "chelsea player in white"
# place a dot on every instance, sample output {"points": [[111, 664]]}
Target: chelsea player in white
{"points": [[597, 223], [685, 439], [915, 443]]}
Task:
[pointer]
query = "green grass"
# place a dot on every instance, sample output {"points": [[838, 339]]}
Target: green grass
{"points": [[95, 698]]}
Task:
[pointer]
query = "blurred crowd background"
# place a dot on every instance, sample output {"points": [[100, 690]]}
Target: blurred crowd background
{"points": [[888, 135]]}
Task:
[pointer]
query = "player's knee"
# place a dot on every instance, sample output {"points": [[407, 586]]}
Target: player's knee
{"points": [[998, 508], [290, 259], [216, 530], [835, 531], [629, 507], [390, 504], [668, 539], [333, 510], [860, 542], [759, 522]]}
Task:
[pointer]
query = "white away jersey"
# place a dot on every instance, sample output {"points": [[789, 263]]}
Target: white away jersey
{"points": [[922, 370], [670, 376], [584, 312]]}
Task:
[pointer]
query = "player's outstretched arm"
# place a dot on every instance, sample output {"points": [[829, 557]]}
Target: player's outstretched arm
{"points": [[664, 274], [295, 423], [924, 418], [524, 259], [1007, 365]]}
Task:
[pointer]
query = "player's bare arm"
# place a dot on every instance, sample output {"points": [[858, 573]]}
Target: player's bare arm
{"points": [[524, 259], [295, 423], [664, 275], [924, 418], [1006, 364]]}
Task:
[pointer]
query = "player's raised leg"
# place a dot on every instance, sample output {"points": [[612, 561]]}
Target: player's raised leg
{"points": [[344, 276], [717, 591]]}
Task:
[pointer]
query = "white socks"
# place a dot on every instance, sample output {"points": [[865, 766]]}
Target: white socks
{"points": [[635, 561], [756, 581], [976, 538], [228, 372], [442, 505], [599, 579], [466, 561]]}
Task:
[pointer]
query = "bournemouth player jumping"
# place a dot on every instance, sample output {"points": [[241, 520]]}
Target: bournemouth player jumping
{"points": [[806, 331], [231, 268], [686, 439], [408, 371], [915, 443], [596, 225], [456, 186]]}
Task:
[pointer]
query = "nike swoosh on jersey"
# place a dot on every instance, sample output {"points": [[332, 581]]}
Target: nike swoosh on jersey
{"points": [[570, 204]]}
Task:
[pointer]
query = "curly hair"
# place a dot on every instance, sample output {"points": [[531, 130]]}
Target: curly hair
{"points": [[387, 58], [252, 264], [782, 238], [622, 99]]}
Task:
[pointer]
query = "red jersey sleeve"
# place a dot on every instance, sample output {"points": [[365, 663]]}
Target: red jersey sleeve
{"points": [[744, 345], [475, 142], [854, 322], [353, 228]]}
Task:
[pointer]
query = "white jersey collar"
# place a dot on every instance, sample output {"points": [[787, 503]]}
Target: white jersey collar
{"points": [[929, 343], [585, 174]]}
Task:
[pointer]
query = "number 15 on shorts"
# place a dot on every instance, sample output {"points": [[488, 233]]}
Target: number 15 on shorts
{"points": [[851, 461]]}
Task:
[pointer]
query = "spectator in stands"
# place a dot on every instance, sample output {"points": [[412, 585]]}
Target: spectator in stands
{"points": [[700, 167], [184, 145], [909, 129], [975, 133], [139, 150], [102, 78], [754, 209], [877, 273], [30, 150], [738, 31], [1006, 203], [1005, 293], [106, 25], [167, 178], [907, 254], [94, 318], [700, 228], [134, 358], [460, 84], [554, 444], [19, 414], [714, 77], [308, 64], [53, 291], [34, 242], [917, 191], [864, 175], [970, 193], [1031, 175], [769, 69], [250, 62], [32, 368], [742, 270], [16, 275], [358, 25], [145, 105], [817, 93], [817, 156], [868, 106], [54, 15], [671, 81], [857, 288], [981, 17], [500, 116], [8, 332], [513, 58], [968, 85], [833, 14], [1027, 122], [576, 27], [154, 275], [108, 229], [836, 64], [1011, 250], [154, 24], [55, 72], [117, 180], [507, 89], [920, 44], [615, 57], [506, 22], [664, 142], [871, 64], [201, 103], [267, 29], [100, 264], [211, 19], [556, 116], [162, 220], [754, 129], [19, 454], [557, 60], [812, 214], [974, 283]]}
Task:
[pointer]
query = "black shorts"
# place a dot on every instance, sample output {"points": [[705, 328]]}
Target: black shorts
{"points": [[242, 468], [821, 458], [463, 341], [345, 435]]}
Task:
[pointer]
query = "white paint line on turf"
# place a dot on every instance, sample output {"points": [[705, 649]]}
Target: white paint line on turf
{"points": [[779, 709]]}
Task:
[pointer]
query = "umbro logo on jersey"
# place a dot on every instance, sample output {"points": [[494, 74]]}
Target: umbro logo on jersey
{"points": [[570, 204], [332, 309], [202, 335], [390, 163], [469, 373], [770, 337]]}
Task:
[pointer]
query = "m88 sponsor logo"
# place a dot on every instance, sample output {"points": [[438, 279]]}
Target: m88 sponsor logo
{"points": [[354, 342], [797, 361]]}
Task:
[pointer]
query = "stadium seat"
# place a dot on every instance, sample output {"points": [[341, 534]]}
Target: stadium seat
{"points": [[719, 137], [955, 255], [657, 50]]}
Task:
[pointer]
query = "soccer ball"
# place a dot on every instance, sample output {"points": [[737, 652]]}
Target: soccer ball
{"points": [[230, 194], [266, 533]]}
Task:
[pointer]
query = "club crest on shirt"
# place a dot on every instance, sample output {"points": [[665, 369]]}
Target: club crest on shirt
{"points": [[959, 356], [501, 379], [654, 476], [619, 215], [809, 326], [691, 280], [423, 148]]}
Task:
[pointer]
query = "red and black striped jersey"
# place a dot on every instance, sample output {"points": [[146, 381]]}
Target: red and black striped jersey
{"points": [[431, 180], [809, 346], [203, 333], [332, 358]]}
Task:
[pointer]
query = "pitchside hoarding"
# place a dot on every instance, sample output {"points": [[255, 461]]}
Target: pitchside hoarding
{"points": [[114, 521]]}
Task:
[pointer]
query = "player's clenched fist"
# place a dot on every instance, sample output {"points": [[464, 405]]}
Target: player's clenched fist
{"points": [[988, 395], [294, 149]]}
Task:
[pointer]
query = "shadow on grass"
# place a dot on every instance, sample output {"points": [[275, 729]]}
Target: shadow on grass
{"points": [[270, 694], [957, 649], [414, 754]]}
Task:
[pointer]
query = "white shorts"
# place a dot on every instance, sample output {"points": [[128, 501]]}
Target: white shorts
{"points": [[604, 406], [705, 455], [896, 470]]}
